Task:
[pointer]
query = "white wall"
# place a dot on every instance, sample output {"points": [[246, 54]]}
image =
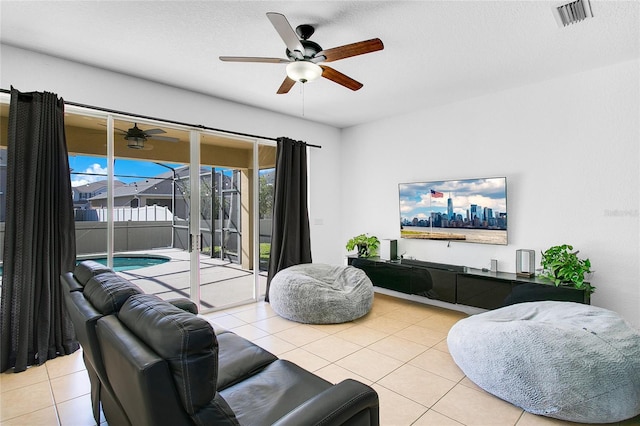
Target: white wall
{"points": [[569, 150], [29, 71]]}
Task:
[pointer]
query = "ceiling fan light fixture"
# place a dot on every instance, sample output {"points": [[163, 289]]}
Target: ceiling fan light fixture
{"points": [[135, 142], [303, 71], [135, 137]]}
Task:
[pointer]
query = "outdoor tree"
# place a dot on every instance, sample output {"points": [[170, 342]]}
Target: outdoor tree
{"points": [[265, 198]]}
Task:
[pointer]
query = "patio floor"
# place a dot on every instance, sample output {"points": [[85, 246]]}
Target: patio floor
{"points": [[222, 283]]}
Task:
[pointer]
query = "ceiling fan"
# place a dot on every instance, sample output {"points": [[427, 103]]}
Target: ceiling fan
{"points": [[136, 137], [304, 55]]}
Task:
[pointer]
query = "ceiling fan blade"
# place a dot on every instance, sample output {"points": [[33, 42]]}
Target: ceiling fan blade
{"points": [[164, 138], [341, 79], [115, 128], [353, 49], [286, 85], [254, 59], [288, 35], [154, 131]]}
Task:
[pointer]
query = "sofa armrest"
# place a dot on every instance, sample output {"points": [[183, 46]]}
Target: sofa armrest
{"points": [[346, 403], [184, 304], [69, 283]]}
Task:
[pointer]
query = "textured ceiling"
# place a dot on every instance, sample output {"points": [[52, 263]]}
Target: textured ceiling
{"points": [[436, 52]]}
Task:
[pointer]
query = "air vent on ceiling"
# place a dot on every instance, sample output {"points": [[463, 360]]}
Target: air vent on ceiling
{"points": [[571, 13]]}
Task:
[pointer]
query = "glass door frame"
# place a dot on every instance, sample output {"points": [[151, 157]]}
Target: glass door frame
{"points": [[195, 134], [195, 234]]}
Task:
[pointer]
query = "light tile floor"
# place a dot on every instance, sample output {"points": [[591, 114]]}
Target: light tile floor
{"points": [[399, 349]]}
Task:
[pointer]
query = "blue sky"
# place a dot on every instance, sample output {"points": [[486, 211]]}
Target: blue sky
{"points": [[98, 165]]}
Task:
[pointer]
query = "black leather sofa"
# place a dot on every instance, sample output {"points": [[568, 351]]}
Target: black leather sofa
{"points": [[152, 362], [84, 316]]}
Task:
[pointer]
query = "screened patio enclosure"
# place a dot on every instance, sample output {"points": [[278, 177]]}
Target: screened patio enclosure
{"points": [[194, 196]]}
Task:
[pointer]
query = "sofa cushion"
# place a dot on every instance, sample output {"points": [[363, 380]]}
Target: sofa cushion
{"points": [[87, 269], [238, 358], [108, 291], [267, 396], [186, 341], [184, 304]]}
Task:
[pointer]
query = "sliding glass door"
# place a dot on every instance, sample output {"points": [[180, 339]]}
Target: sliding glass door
{"points": [[227, 188], [151, 206], [181, 212], [88, 160], [266, 181]]}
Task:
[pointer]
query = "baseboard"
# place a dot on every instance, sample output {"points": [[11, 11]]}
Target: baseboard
{"points": [[470, 310]]}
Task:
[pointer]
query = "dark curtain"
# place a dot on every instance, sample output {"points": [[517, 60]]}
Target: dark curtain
{"points": [[290, 239], [39, 240]]}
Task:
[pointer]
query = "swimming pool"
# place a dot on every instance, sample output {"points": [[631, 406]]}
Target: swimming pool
{"points": [[128, 263]]}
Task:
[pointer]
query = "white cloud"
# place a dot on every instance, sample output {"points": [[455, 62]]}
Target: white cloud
{"points": [[95, 168]]}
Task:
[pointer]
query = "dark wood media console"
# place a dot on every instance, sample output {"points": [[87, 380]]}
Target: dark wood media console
{"points": [[460, 285]]}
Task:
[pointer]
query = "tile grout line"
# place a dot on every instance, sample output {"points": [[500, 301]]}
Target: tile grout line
{"points": [[53, 398]]}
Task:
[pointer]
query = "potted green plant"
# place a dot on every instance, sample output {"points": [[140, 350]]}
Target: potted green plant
{"points": [[366, 244], [563, 266]]}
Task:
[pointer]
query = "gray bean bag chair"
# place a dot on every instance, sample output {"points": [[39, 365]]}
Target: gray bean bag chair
{"points": [[563, 360], [316, 293]]}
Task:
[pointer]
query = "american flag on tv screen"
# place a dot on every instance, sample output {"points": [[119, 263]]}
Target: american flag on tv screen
{"points": [[436, 194]]}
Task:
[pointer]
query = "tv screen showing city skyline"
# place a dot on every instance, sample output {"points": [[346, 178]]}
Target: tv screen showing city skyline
{"points": [[466, 210]]}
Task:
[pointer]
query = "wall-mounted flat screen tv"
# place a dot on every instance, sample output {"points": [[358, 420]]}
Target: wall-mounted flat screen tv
{"points": [[468, 210]]}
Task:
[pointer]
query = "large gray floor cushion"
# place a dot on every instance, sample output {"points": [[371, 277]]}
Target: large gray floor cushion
{"points": [[564, 360], [316, 293]]}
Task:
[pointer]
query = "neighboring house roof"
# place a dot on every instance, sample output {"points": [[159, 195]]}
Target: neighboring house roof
{"points": [[96, 186], [149, 186], [157, 186]]}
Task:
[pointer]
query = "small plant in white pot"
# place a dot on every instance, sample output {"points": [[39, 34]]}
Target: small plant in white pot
{"points": [[366, 244]]}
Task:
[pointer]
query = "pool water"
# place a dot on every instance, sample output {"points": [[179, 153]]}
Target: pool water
{"points": [[121, 264], [124, 263]]}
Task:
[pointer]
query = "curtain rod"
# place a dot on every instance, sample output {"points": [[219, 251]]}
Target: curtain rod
{"points": [[199, 126]]}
